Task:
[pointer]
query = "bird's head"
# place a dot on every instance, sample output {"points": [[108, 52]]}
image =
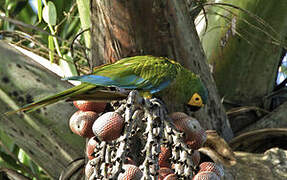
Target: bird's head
{"points": [[197, 96], [186, 93]]}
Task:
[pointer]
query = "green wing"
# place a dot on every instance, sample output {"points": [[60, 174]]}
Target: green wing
{"points": [[146, 73]]}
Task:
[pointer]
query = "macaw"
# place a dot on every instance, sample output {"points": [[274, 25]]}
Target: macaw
{"points": [[152, 76]]}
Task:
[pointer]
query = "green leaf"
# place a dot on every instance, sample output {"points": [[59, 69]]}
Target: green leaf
{"points": [[85, 16], [11, 163], [19, 6], [6, 141], [70, 28], [27, 16], [34, 168], [50, 13], [51, 48], [15, 149], [68, 66], [39, 3]]}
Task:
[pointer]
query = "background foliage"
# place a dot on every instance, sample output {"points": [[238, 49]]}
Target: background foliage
{"points": [[51, 29]]}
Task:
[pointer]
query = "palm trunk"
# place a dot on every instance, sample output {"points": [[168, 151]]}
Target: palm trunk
{"points": [[159, 28]]}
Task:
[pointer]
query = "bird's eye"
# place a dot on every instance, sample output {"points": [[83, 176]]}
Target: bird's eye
{"points": [[195, 100]]}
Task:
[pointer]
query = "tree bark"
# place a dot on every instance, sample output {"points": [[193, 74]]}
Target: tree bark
{"points": [[44, 135], [276, 119], [244, 48], [127, 28], [159, 28]]}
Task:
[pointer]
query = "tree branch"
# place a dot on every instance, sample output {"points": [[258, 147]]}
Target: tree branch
{"points": [[275, 119]]}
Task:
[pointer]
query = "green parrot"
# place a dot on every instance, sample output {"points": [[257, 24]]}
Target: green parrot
{"points": [[152, 76]]}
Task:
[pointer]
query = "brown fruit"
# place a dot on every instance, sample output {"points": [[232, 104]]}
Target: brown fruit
{"points": [[196, 139], [163, 172], [195, 134], [171, 177], [131, 172], [185, 123], [211, 167], [164, 157], [177, 116], [206, 176], [90, 147], [108, 126], [81, 123], [90, 106]]}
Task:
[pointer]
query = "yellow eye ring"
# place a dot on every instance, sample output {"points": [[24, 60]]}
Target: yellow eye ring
{"points": [[196, 100]]}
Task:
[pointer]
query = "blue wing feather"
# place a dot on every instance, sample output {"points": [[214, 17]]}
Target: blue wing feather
{"points": [[160, 87], [128, 82]]}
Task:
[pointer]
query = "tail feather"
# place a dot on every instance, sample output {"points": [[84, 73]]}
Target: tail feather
{"points": [[100, 95], [54, 98]]}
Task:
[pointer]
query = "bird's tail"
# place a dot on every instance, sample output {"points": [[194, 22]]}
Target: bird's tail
{"points": [[55, 98]]}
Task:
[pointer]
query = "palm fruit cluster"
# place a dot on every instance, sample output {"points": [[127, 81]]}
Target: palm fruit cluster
{"points": [[137, 139]]}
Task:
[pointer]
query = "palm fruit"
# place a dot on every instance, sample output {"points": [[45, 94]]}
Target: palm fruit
{"points": [[196, 139], [171, 177], [209, 171], [131, 172], [81, 123], [211, 167], [206, 176], [163, 172], [195, 135], [164, 157], [90, 147], [108, 126], [90, 106]]}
